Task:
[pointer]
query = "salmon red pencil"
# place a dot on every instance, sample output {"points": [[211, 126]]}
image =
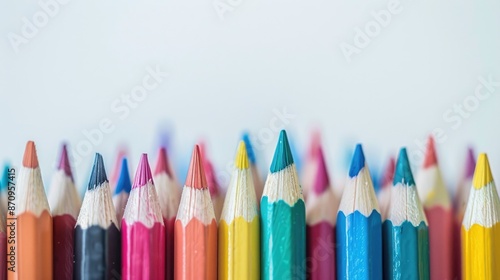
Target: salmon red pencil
{"points": [[3, 249], [321, 220], [384, 195], [143, 231], [239, 251], [97, 235], [257, 180], [169, 195], [64, 202], [34, 222], [195, 236], [122, 189], [437, 207], [359, 225], [216, 194], [283, 219], [405, 233], [481, 226]]}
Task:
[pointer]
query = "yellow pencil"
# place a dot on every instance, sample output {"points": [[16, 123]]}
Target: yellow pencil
{"points": [[239, 225], [481, 226]]}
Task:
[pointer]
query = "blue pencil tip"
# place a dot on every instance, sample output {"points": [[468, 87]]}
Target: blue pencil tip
{"points": [[98, 176], [248, 144], [4, 180], [358, 161], [124, 183], [403, 172], [282, 155]]}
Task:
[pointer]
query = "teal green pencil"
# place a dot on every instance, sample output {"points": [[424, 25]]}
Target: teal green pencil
{"points": [[283, 221]]}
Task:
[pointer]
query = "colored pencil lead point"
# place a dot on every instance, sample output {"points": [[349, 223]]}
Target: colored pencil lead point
{"points": [[196, 174], [98, 175], [388, 176], [162, 163], [482, 175], [30, 158], [403, 172], [430, 154], [470, 164], [282, 155], [124, 183], [4, 181], [143, 174], [322, 180], [241, 161], [249, 147], [358, 161], [64, 162]]}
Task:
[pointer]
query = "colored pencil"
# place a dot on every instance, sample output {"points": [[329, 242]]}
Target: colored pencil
{"points": [[239, 248], [481, 226], [437, 207], [3, 249], [406, 237], [4, 183], [195, 236], [460, 203], [283, 221], [359, 225], [169, 194], [64, 202], [216, 194], [143, 231], [257, 180], [117, 168], [308, 174], [97, 236], [384, 194], [321, 219], [34, 222], [122, 190]]}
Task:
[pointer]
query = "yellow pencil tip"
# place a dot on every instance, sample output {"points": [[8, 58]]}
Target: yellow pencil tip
{"points": [[482, 174], [241, 161]]}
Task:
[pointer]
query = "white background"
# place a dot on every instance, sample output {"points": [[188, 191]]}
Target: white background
{"points": [[229, 75]]}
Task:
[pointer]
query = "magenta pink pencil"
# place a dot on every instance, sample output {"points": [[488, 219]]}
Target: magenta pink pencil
{"points": [[143, 231]]}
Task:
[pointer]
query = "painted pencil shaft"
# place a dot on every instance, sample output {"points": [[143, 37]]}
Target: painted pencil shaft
{"points": [[3, 250], [481, 226], [283, 228], [359, 226], [239, 247]]}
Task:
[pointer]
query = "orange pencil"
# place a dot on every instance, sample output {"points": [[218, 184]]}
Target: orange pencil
{"points": [[195, 237], [34, 223]]}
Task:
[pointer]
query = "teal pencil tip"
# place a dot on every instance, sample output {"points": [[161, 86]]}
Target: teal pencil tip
{"points": [[403, 172], [282, 155]]}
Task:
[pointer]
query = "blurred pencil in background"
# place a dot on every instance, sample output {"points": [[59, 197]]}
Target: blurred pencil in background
{"points": [[405, 233], [309, 169], [257, 180], [3, 249], [4, 183], [117, 167], [195, 236], [65, 203], [359, 225], [34, 222], [481, 226], [122, 189], [143, 231], [283, 228], [239, 249], [321, 219], [97, 236], [169, 194], [437, 207], [384, 194]]}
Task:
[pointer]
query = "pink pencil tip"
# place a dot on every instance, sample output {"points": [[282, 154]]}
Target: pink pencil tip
{"points": [[322, 181], [389, 173], [470, 164], [196, 174], [213, 185], [162, 163], [143, 173], [315, 143], [430, 154], [64, 162]]}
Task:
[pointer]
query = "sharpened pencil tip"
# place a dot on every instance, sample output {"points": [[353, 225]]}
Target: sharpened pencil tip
{"points": [[282, 155], [98, 175], [162, 163], [143, 173], [388, 176], [249, 147], [430, 154], [482, 174], [470, 163], [30, 159], [64, 162], [403, 172], [123, 184], [322, 181], [241, 161], [358, 161], [196, 174]]}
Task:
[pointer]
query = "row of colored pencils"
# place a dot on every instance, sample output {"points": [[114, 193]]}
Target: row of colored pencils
{"points": [[148, 229]]}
